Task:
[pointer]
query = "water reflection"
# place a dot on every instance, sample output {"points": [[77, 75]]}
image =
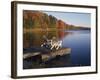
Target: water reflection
{"points": [[33, 39], [80, 44], [78, 41]]}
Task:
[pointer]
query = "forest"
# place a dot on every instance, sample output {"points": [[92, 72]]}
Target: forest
{"points": [[38, 20]]}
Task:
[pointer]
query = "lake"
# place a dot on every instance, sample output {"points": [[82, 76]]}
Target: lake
{"points": [[79, 42]]}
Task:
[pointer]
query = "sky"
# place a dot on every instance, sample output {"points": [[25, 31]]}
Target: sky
{"points": [[78, 19]]}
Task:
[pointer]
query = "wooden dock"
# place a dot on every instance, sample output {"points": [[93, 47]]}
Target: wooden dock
{"points": [[28, 55], [50, 55], [60, 52]]}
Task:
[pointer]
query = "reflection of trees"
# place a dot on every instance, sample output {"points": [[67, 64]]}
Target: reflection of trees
{"points": [[60, 34], [27, 39], [52, 34], [35, 38], [31, 39]]}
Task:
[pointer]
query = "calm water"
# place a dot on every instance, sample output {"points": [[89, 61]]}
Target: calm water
{"points": [[78, 41]]}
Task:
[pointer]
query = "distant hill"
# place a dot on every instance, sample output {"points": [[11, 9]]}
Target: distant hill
{"points": [[40, 20]]}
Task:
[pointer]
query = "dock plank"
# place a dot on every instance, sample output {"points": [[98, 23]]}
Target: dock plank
{"points": [[50, 55]]}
